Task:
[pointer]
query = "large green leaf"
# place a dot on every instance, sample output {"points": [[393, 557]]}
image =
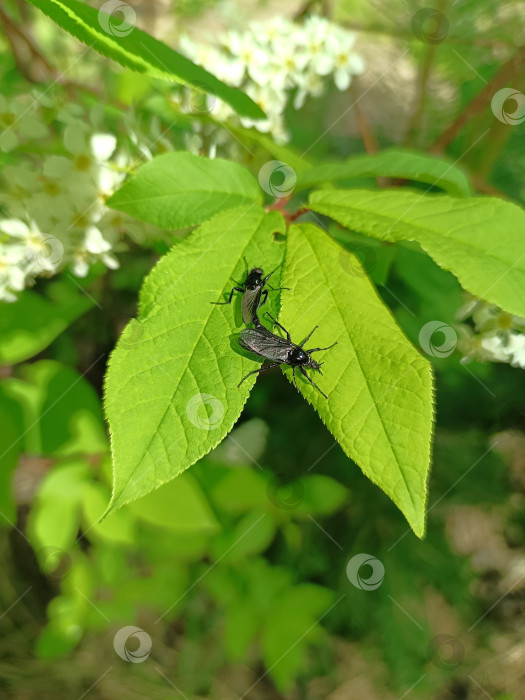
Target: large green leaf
{"points": [[379, 387], [179, 361], [396, 163], [480, 239], [116, 37], [176, 190], [31, 323]]}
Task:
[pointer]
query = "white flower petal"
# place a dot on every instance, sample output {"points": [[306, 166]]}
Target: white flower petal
{"points": [[110, 261], [356, 64], [94, 241], [14, 227], [80, 267], [325, 65], [342, 79], [103, 146]]}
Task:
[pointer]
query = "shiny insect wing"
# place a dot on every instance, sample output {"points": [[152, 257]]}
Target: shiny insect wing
{"points": [[254, 294], [262, 342], [267, 345]]}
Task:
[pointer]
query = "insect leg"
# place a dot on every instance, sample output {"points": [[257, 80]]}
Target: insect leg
{"points": [[308, 336], [265, 295], [318, 349], [235, 289], [303, 371], [276, 323], [258, 371]]}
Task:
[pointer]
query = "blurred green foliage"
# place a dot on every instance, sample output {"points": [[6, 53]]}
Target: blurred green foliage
{"points": [[230, 567]]}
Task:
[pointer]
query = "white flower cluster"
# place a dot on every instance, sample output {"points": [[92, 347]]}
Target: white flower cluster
{"points": [[53, 206], [497, 336], [272, 59]]}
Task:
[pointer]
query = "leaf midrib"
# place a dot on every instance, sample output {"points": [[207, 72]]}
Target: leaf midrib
{"points": [[212, 311], [329, 285]]}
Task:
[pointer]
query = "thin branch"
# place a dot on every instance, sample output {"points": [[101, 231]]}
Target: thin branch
{"points": [[508, 71], [21, 42], [365, 130]]}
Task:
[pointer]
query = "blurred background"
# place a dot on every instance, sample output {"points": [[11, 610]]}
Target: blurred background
{"points": [[231, 581]]}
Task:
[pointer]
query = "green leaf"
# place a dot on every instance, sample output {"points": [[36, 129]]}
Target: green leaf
{"points": [[118, 39], [179, 505], [31, 323], [396, 163], [59, 410], [62, 412], [241, 490], [176, 190], [252, 534], [480, 239], [171, 388], [290, 625], [117, 527], [379, 387], [321, 496], [60, 492], [284, 153]]}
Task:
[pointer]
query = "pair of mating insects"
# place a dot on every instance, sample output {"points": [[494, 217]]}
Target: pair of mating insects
{"points": [[262, 342]]}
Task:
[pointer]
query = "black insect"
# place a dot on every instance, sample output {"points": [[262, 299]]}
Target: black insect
{"points": [[269, 346], [254, 294]]}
